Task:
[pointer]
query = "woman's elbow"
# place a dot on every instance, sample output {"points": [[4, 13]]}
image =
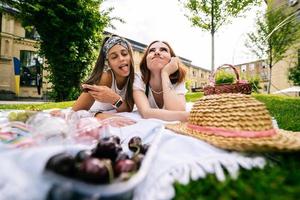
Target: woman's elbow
{"points": [[144, 113], [176, 108], [182, 107]]}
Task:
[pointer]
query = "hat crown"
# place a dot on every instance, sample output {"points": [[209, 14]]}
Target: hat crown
{"points": [[232, 112]]}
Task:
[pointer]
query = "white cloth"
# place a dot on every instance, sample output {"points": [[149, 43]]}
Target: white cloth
{"points": [[138, 84], [100, 106], [178, 158], [182, 158]]}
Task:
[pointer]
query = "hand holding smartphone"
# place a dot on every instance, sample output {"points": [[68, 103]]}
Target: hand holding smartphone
{"points": [[86, 87]]}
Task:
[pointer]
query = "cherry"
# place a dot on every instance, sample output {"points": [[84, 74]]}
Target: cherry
{"points": [[135, 143], [122, 166], [138, 159], [115, 139], [122, 156], [145, 148], [83, 155], [62, 163], [107, 149], [94, 170]]}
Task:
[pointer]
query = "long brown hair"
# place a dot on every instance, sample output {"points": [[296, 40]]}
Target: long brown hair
{"points": [[97, 72], [176, 77]]}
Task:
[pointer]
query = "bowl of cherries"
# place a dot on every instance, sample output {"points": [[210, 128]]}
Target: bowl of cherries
{"points": [[107, 168]]}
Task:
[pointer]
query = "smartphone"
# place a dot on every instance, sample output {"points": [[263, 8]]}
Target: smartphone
{"points": [[85, 89]]}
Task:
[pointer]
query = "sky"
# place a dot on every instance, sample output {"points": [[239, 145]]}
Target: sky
{"points": [[146, 21]]}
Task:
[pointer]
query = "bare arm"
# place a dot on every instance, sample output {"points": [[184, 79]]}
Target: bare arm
{"points": [[84, 102], [101, 92], [146, 111], [172, 100], [106, 95]]}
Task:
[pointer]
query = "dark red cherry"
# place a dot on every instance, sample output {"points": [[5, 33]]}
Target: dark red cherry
{"points": [[115, 139], [94, 170], [138, 159], [62, 163], [124, 166], [144, 148], [83, 155], [135, 143], [122, 156], [107, 149]]}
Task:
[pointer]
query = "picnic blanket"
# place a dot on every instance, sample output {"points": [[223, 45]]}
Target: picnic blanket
{"points": [[178, 158]]}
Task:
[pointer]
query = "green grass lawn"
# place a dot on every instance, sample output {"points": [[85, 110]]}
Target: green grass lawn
{"points": [[43, 106], [280, 179]]}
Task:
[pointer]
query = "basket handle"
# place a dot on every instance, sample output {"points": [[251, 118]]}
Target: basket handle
{"points": [[212, 78]]}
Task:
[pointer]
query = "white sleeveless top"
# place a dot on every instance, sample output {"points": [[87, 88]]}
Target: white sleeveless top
{"points": [[100, 106], [139, 84]]}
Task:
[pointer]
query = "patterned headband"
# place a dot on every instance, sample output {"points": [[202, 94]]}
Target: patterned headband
{"points": [[112, 41]]}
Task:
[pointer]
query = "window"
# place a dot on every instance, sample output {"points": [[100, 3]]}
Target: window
{"points": [[265, 88], [194, 73], [244, 68], [263, 76], [202, 76], [30, 69], [252, 67], [32, 34]]}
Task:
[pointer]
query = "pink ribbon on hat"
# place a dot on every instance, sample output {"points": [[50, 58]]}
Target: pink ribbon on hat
{"points": [[231, 133]]}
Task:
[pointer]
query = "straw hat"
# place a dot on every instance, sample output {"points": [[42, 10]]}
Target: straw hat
{"points": [[236, 122]]}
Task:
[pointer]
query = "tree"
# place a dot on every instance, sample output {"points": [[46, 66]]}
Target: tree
{"points": [[294, 74], [210, 15], [70, 33], [277, 31]]}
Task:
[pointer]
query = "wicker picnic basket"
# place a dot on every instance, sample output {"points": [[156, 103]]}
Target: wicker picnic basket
{"points": [[240, 86]]}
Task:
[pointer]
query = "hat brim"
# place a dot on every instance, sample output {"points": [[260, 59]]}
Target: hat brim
{"points": [[282, 141]]}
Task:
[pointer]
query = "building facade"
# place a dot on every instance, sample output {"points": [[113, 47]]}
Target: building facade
{"points": [[19, 47], [280, 70], [256, 69]]}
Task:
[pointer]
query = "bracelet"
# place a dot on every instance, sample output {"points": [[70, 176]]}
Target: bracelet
{"points": [[170, 88], [96, 113]]}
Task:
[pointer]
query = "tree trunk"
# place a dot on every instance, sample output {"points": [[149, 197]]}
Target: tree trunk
{"points": [[212, 39], [270, 69], [270, 78]]}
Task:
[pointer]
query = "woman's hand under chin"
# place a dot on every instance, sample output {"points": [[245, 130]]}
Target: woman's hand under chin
{"points": [[172, 66]]}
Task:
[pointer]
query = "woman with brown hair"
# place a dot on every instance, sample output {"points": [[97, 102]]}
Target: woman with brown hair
{"points": [[159, 90]]}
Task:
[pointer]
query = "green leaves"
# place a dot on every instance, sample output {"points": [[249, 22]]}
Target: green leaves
{"points": [[224, 77], [294, 74], [201, 14], [277, 31], [70, 32]]}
